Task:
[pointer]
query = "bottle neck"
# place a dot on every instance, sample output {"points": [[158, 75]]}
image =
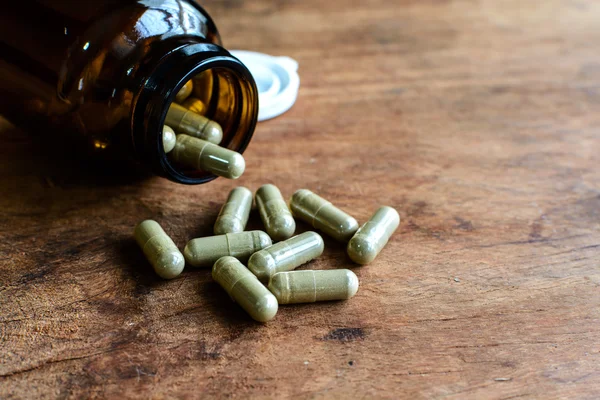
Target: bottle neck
{"points": [[227, 88]]}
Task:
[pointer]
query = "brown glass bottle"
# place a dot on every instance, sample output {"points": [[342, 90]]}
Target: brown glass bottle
{"points": [[102, 75]]}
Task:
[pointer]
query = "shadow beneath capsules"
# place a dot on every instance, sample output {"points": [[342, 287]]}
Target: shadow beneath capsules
{"points": [[136, 268], [203, 223], [254, 222], [61, 160], [40, 175], [224, 310]]}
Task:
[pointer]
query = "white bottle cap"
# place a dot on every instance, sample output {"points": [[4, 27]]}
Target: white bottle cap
{"points": [[277, 81]]}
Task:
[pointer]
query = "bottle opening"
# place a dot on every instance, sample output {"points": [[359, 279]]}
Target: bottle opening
{"points": [[202, 92]]}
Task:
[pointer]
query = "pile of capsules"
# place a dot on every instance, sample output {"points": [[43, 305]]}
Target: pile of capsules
{"points": [[269, 278], [196, 144]]}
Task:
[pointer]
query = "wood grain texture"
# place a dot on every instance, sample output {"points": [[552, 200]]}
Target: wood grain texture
{"points": [[479, 121]]}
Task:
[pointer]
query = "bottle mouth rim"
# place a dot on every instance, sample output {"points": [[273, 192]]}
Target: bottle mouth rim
{"points": [[173, 70]]}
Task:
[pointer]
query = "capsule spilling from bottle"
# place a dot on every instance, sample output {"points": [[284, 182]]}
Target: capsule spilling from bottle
{"points": [[205, 156], [185, 121], [168, 138]]}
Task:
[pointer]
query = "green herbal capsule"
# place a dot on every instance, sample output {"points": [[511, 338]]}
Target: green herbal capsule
{"points": [[323, 215], [274, 213], [185, 121], [202, 155], [235, 212], [184, 92], [163, 254], [286, 255], [203, 252], [168, 138], [373, 235], [310, 286], [245, 289]]}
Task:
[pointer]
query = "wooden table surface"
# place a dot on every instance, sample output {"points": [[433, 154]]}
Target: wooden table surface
{"points": [[479, 121]]}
